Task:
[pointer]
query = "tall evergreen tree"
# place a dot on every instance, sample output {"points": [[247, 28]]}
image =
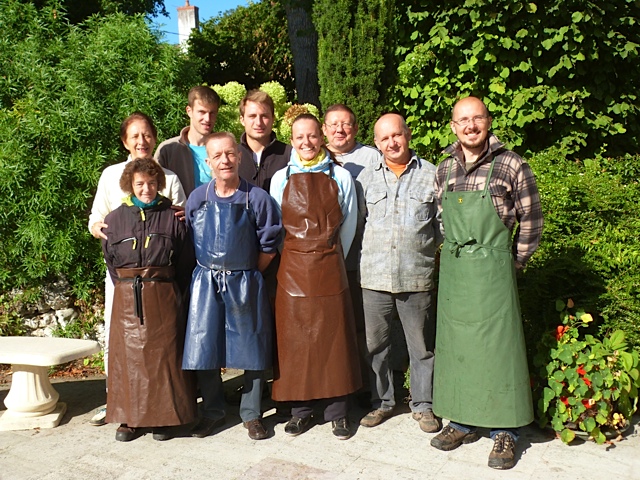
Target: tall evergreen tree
{"points": [[356, 66]]}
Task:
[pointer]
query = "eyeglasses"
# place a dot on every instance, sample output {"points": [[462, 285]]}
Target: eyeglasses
{"points": [[334, 126], [463, 122]]}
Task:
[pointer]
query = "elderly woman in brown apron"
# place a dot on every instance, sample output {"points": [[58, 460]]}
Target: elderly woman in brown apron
{"points": [[150, 259], [317, 355]]}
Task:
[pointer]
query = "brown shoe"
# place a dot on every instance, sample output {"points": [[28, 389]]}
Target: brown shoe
{"points": [[502, 457], [428, 422], [256, 429], [375, 417], [450, 438]]}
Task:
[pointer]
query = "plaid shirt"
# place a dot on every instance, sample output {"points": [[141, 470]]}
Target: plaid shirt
{"points": [[513, 190]]}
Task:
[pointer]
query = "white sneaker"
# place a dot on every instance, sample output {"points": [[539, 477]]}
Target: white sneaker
{"points": [[100, 417]]}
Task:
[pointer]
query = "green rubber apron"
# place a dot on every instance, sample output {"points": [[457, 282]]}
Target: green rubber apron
{"points": [[481, 376]]}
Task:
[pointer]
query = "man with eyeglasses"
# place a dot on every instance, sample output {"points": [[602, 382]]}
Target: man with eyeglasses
{"points": [[340, 128], [481, 378], [401, 235]]}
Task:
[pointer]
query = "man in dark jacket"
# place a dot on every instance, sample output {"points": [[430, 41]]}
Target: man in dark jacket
{"points": [[262, 153]]}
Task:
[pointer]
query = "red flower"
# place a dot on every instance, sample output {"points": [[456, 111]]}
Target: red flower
{"points": [[588, 402], [561, 331], [587, 381], [581, 371], [564, 400]]}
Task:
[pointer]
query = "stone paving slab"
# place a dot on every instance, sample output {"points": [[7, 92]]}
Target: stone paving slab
{"points": [[395, 450]]}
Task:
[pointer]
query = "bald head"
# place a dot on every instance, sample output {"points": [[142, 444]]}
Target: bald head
{"points": [[469, 102], [392, 137], [470, 121]]}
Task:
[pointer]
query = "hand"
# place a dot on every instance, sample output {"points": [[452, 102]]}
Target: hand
{"points": [[96, 230], [180, 213], [518, 265]]}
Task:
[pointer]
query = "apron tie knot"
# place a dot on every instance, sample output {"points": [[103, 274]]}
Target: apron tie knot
{"points": [[457, 245]]}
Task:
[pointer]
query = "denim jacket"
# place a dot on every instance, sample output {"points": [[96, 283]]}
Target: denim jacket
{"points": [[402, 229]]}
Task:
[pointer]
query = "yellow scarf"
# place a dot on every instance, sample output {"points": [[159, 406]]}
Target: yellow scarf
{"points": [[314, 161]]}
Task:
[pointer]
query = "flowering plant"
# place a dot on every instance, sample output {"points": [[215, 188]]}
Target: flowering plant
{"points": [[587, 384]]}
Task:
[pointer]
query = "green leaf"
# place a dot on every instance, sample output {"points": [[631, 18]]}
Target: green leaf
{"points": [[560, 305], [589, 424], [616, 340], [576, 17], [598, 436], [627, 360], [567, 436]]}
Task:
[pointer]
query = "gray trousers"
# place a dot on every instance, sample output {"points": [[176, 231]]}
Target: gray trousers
{"points": [[415, 310]]}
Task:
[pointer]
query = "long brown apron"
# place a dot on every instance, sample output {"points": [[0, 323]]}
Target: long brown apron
{"points": [[147, 386], [317, 354]]}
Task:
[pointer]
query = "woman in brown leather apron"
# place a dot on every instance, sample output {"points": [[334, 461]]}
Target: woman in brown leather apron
{"points": [[150, 259], [317, 354]]}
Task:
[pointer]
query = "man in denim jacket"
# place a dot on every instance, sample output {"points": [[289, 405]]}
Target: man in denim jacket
{"points": [[402, 232]]}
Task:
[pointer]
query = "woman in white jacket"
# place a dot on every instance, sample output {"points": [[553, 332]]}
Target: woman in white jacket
{"points": [[139, 137]]}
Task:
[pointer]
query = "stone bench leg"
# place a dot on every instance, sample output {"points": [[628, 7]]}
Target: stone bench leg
{"points": [[32, 402]]}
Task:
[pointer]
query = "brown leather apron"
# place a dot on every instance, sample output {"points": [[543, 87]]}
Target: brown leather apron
{"points": [[147, 386], [317, 354]]}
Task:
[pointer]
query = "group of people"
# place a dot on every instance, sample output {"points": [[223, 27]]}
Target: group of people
{"points": [[300, 258]]}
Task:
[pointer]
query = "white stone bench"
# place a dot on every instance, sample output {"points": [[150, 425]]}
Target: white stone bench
{"points": [[32, 402]]}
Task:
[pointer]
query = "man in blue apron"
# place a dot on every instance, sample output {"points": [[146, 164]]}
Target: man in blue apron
{"points": [[236, 230], [481, 377]]}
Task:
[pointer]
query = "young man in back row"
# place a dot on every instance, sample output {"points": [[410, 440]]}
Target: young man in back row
{"points": [[185, 155]]}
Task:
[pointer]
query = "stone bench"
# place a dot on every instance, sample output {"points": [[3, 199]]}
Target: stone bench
{"points": [[32, 402]]}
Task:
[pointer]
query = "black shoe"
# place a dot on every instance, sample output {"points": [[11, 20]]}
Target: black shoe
{"points": [[206, 426], [340, 428], [296, 425], [162, 433], [126, 434]]}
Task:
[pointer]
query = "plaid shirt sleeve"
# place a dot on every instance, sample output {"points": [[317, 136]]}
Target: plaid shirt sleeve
{"points": [[529, 214]]}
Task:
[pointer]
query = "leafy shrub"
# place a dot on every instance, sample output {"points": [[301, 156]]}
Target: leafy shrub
{"points": [[589, 250], [551, 73], [584, 383], [63, 92]]}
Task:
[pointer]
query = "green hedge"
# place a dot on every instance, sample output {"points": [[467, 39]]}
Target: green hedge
{"points": [[590, 250], [63, 92]]}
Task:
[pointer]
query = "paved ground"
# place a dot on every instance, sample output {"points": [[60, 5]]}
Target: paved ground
{"points": [[395, 450]]}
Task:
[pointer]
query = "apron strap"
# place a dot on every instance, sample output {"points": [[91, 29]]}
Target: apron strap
{"points": [[486, 185], [206, 196]]}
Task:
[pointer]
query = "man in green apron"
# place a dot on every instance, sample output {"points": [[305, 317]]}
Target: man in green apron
{"points": [[481, 378]]}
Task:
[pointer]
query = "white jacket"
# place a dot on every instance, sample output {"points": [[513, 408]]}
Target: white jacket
{"points": [[109, 195]]}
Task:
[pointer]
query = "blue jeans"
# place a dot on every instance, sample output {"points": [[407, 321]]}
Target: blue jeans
{"points": [[513, 432], [213, 404], [415, 311]]}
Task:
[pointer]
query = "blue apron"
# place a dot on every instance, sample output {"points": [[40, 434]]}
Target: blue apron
{"points": [[230, 322]]}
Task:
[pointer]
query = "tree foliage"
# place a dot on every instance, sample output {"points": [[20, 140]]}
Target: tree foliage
{"points": [[356, 66], [557, 72], [77, 11], [248, 45], [63, 93]]}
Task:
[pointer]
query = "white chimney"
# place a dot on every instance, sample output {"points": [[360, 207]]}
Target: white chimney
{"points": [[187, 20]]}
